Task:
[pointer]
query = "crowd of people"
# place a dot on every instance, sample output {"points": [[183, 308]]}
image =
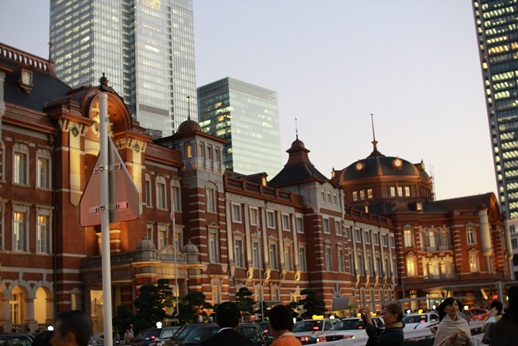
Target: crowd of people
{"points": [[75, 328]]}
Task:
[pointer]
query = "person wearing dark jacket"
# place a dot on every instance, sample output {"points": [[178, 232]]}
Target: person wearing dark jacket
{"points": [[392, 335], [227, 317], [505, 331]]}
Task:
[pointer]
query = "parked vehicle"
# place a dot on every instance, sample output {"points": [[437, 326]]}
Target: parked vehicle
{"points": [[154, 336], [308, 331], [16, 339], [349, 328], [202, 332], [478, 314], [264, 326], [420, 321]]}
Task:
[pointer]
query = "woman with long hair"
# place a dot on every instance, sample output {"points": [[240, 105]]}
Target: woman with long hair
{"points": [[453, 329]]}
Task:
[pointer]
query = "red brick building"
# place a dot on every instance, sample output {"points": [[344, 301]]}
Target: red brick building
{"points": [[299, 230]]}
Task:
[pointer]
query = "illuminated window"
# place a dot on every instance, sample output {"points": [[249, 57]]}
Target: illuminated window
{"points": [[369, 193], [355, 195], [43, 232], [362, 194], [400, 191], [20, 164], [188, 150], [288, 263], [409, 237], [162, 236], [43, 161], [474, 264], [20, 230], [407, 191], [411, 265]]}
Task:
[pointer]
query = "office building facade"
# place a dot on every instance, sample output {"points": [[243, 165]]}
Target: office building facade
{"points": [[246, 116], [497, 32], [145, 48]]}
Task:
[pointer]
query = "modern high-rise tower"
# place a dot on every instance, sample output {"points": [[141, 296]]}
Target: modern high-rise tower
{"points": [[497, 29], [246, 116], [145, 48]]}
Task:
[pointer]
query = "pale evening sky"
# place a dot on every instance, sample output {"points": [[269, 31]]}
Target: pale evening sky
{"points": [[413, 64]]}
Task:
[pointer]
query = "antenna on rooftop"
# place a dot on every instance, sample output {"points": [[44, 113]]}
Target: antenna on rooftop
{"points": [[296, 128], [188, 108], [374, 142]]}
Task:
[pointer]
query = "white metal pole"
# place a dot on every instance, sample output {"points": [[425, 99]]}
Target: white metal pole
{"points": [[260, 269], [105, 220], [176, 289]]}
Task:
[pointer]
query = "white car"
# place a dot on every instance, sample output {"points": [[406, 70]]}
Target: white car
{"points": [[350, 328], [420, 321], [308, 331]]}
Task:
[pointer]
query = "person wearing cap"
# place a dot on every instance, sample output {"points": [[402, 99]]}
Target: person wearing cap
{"points": [[128, 336]]}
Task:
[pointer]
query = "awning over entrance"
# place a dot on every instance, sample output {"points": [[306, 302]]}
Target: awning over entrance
{"points": [[344, 303]]}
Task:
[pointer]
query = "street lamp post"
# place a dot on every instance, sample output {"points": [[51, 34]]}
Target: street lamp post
{"points": [[260, 269]]}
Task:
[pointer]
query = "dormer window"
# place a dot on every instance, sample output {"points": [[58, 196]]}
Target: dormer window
{"points": [[26, 80]]}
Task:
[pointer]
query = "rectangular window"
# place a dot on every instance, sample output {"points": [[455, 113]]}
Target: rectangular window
{"points": [[329, 259], [335, 199], [400, 191], [216, 154], [471, 235], [347, 231], [285, 222], [213, 247], [238, 252], [255, 254], [43, 173], [514, 242], [43, 234], [176, 198], [369, 193], [161, 198], [325, 226], [341, 263], [149, 231], [162, 236], [512, 229], [351, 264], [299, 223], [273, 256], [254, 216], [287, 258], [236, 213], [302, 259], [19, 231], [376, 238], [209, 152], [338, 228], [392, 243], [409, 238], [384, 240], [355, 195], [358, 235], [149, 193], [211, 200], [270, 219], [362, 194], [392, 191], [366, 237], [407, 191], [20, 168]]}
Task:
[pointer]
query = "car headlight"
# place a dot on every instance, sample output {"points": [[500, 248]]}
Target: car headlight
{"points": [[304, 339]]}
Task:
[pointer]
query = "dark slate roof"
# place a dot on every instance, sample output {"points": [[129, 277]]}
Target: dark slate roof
{"points": [[465, 203], [298, 169], [377, 164], [46, 86]]}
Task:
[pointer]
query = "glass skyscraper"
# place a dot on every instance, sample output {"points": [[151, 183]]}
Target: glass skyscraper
{"points": [[145, 48], [497, 30], [246, 116]]}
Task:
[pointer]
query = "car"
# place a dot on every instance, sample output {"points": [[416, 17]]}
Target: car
{"points": [[16, 339], [202, 332], [478, 314], [349, 328], [153, 336], [308, 331], [264, 326], [182, 333], [420, 321]]}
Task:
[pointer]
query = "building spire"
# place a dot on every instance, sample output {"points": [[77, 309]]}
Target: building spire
{"points": [[296, 128], [188, 108], [374, 142]]}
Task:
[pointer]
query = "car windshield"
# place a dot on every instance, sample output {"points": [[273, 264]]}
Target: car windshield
{"points": [[200, 334], [350, 324], [308, 326], [415, 319], [183, 332]]}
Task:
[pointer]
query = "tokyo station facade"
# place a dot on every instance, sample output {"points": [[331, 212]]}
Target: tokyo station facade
{"points": [[370, 233]]}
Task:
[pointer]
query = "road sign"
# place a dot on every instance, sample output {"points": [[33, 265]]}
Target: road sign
{"points": [[124, 197]]}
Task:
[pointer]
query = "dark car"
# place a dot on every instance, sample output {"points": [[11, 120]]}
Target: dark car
{"points": [[201, 333], [153, 336], [15, 339], [264, 326]]}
